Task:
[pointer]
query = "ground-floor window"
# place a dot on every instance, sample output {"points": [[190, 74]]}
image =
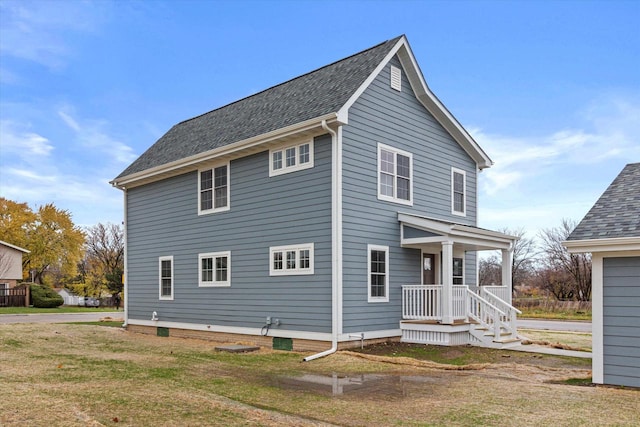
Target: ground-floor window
{"points": [[291, 259], [378, 275], [165, 266], [215, 269]]}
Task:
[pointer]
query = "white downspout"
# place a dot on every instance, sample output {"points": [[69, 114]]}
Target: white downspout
{"points": [[126, 271], [336, 240]]}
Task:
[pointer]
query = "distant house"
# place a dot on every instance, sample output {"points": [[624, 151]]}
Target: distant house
{"points": [[10, 265], [69, 297], [611, 233], [335, 208]]}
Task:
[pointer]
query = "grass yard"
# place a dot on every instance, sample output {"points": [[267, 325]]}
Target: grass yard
{"points": [[79, 375], [568, 340]]}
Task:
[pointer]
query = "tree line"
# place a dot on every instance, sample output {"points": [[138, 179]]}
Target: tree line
{"points": [[88, 261], [543, 264]]}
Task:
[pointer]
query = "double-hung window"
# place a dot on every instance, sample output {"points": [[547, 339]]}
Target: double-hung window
{"points": [[395, 175], [378, 281], [458, 193], [213, 189], [165, 273], [291, 260], [215, 269], [291, 158]]}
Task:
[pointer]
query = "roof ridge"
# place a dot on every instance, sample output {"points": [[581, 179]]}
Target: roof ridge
{"points": [[395, 39]]}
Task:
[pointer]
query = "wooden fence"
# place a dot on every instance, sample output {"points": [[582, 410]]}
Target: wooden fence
{"points": [[15, 297]]}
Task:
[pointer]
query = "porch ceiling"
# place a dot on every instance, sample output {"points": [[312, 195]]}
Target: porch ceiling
{"points": [[437, 231]]}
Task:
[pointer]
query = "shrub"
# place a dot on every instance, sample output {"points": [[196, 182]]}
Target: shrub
{"points": [[45, 297]]}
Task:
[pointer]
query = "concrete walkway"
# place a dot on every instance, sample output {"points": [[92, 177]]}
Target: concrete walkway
{"points": [[534, 348], [59, 317]]}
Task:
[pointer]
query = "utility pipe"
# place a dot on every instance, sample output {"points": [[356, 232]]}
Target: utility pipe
{"points": [[336, 234]]}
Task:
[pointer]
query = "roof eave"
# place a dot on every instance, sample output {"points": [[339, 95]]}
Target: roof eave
{"points": [[17, 248], [179, 166], [614, 244]]}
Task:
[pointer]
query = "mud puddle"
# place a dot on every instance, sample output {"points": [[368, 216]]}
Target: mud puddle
{"points": [[381, 385]]}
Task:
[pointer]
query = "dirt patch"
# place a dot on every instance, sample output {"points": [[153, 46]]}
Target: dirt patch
{"points": [[469, 356]]}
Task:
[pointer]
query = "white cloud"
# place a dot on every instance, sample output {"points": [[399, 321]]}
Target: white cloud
{"points": [[610, 132], [38, 30], [91, 134], [538, 180], [19, 141]]}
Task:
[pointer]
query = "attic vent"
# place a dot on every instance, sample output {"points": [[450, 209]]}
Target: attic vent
{"points": [[396, 78]]}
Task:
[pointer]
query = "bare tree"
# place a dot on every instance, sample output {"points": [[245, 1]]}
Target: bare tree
{"points": [[522, 266], [105, 254], [490, 271], [573, 267]]}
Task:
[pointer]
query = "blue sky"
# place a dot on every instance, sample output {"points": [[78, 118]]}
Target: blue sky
{"points": [[550, 89]]}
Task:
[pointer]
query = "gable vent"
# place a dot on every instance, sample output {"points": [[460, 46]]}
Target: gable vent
{"points": [[396, 78]]}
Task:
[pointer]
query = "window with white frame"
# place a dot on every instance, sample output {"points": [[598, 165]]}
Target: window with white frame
{"points": [[291, 260], [165, 266], [291, 158], [213, 189], [458, 191], [214, 269], [378, 281], [458, 271], [395, 175]]}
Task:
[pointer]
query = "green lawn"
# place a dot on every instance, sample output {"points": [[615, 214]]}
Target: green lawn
{"points": [[63, 309]]}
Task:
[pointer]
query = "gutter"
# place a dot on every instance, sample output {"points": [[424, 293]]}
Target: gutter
{"points": [[336, 241], [188, 162]]}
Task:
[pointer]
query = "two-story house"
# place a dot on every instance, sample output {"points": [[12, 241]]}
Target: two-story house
{"points": [[335, 208]]}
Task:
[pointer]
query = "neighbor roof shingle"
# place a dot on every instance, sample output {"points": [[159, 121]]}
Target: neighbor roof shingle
{"points": [[311, 95], [617, 211]]}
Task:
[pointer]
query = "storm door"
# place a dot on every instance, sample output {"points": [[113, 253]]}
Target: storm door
{"points": [[428, 269]]}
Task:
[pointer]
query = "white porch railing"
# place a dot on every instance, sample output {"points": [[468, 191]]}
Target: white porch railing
{"points": [[460, 306], [510, 313], [422, 302], [486, 314], [502, 292]]}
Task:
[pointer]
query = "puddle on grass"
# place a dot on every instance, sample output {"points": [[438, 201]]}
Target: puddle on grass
{"points": [[382, 385]]}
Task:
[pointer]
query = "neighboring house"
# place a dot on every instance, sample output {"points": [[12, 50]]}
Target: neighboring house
{"points": [[10, 265], [69, 297], [337, 207], [611, 233]]}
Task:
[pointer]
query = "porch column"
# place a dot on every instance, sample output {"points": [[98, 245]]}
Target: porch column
{"points": [[507, 265], [447, 283]]}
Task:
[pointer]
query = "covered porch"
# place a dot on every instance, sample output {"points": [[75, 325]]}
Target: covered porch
{"points": [[444, 309]]}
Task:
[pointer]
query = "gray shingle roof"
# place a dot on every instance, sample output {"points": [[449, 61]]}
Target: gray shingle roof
{"points": [[617, 211], [311, 95]]}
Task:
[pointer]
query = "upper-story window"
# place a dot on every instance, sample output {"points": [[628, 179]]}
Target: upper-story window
{"points": [[291, 260], [458, 192], [213, 189], [291, 158], [395, 175]]}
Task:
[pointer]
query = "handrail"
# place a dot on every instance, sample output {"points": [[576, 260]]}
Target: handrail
{"points": [[481, 306], [510, 315]]}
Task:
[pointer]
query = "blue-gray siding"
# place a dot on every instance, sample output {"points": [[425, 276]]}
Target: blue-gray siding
{"points": [[384, 115], [621, 319], [288, 209]]}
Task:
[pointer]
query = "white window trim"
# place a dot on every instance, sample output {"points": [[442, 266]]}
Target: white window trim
{"points": [[395, 151], [214, 283], [173, 283], [298, 166], [386, 277], [463, 277], [294, 271], [214, 210], [464, 187]]}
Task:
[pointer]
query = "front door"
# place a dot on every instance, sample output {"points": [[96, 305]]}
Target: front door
{"points": [[428, 269]]}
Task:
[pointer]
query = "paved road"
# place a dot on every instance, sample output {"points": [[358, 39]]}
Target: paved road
{"points": [[555, 325], [58, 318]]}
